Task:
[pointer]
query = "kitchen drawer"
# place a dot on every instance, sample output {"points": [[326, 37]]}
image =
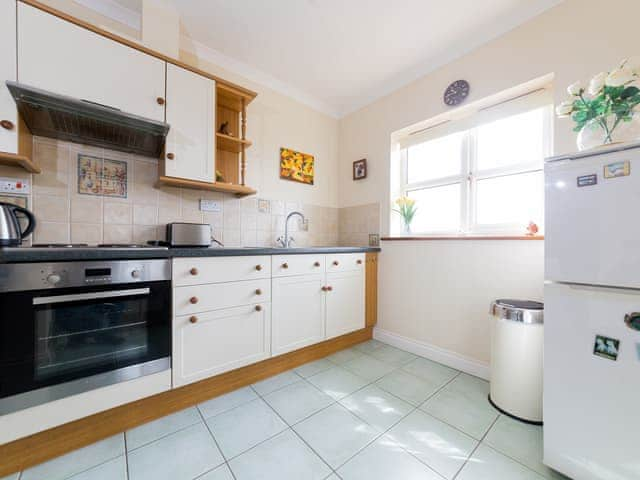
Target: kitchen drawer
{"points": [[288, 265], [201, 298], [345, 262], [198, 270], [211, 343]]}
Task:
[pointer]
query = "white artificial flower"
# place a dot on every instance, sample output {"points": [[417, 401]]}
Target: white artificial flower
{"points": [[633, 64], [565, 108], [619, 77], [597, 83], [575, 89]]}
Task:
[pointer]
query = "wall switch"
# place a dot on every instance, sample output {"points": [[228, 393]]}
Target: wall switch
{"points": [[15, 186], [210, 205]]}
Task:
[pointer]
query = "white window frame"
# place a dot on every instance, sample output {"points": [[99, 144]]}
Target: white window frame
{"points": [[470, 174]]}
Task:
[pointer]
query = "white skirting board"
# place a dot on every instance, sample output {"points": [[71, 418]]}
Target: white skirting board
{"points": [[437, 354]]}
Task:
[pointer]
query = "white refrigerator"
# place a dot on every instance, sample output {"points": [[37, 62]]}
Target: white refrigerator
{"points": [[592, 314]]}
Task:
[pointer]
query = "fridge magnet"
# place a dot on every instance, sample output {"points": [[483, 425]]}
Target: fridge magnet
{"points": [[632, 320], [101, 176], [617, 169], [360, 169], [296, 166], [606, 347], [588, 180]]}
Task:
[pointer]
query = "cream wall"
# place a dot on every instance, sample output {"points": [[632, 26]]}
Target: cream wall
{"points": [[573, 41]]}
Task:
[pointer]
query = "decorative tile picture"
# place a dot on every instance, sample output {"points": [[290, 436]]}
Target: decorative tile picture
{"points": [[296, 166], [101, 176]]}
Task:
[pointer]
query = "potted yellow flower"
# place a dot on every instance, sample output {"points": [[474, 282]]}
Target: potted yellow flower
{"points": [[407, 210]]}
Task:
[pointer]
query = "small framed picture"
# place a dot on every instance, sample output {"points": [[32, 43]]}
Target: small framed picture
{"points": [[360, 169]]}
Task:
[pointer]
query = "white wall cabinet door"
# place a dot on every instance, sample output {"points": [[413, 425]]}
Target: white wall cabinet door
{"points": [[63, 58], [345, 303], [191, 114], [8, 111], [298, 312], [207, 344]]}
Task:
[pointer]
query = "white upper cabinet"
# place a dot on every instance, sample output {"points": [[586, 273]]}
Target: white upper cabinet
{"points": [[8, 111], [345, 302], [190, 151], [63, 58]]}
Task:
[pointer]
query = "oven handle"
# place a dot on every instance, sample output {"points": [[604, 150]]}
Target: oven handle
{"points": [[90, 296]]}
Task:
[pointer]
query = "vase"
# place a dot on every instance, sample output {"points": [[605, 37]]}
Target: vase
{"points": [[406, 230], [607, 131]]}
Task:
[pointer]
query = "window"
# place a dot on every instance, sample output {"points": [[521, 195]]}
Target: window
{"points": [[484, 177]]}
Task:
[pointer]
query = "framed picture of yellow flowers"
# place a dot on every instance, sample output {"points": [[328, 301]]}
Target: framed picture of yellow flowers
{"points": [[296, 166]]}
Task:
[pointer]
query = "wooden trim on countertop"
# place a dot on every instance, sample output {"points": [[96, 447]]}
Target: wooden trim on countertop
{"points": [[371, 289], [465, 237], [249, 95], [40, 447]]}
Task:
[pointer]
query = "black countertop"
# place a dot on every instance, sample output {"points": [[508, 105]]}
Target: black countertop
{"points": [[19, 255]]}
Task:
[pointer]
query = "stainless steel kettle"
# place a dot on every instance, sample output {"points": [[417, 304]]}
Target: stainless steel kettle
{"points": [[11, 233]]}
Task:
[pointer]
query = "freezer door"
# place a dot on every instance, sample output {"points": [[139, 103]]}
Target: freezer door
{"points": [[591, 419], [593, 232]]}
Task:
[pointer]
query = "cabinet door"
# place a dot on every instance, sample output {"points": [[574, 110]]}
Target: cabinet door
{"points": [[8, 112], [298, 312], [191, 114], [345, 303], [63, 58], [207, 344]]}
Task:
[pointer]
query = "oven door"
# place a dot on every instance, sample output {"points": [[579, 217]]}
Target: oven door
{"points": [[57, 343]]}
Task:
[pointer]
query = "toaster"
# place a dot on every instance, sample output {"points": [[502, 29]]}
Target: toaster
{"points": [[189, 235]]}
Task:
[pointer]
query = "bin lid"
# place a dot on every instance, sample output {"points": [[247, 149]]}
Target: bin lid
{"points": [[524, 311]]}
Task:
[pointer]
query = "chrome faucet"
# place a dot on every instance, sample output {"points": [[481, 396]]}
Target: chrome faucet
{"points": [[286, 240]]}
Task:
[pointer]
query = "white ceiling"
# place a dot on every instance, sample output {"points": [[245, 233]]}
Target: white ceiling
{"points": [[340, 55]]}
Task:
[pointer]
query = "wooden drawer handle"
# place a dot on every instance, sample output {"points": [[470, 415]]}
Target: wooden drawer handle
{"points": [[285, 265], [193, 271], [7, 124], [193, 319], [160, 100], [324, 289], [329, 288], [258, 267], [170, 156], [193, 300], [359, 262], [336, 263], [258, 308], [317, 264], [258, 292]]}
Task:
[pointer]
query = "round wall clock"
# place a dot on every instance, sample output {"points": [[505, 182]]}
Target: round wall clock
{"points": [[456, 93]]}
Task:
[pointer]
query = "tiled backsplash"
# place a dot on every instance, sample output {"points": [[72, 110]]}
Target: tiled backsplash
{"points": [[64, 215], [355, 224]]}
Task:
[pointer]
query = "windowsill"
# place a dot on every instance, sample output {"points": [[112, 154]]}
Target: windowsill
{"points": [[462, 237]]}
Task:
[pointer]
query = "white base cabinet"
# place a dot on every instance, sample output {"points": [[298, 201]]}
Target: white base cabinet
{"points": [[345, 303], [210, 343], [229, 312], [8, 110], [298, 312]]}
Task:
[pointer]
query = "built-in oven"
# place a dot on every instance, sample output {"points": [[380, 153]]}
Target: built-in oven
{"points": [[70, 327]]}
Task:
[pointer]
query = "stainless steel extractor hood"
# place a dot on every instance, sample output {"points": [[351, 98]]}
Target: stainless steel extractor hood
{"points": [[57, 116]]}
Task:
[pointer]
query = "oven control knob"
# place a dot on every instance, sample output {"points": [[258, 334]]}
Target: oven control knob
{"points": [[53, 279], [135, 273]]}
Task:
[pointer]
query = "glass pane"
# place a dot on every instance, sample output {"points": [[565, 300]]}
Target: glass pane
{"points": [[434, 159], [512, 140], [516, 199], [438, 209], [85, 335]]}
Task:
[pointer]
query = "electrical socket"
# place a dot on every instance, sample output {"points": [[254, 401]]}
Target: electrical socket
{"points": [[210, 205]]}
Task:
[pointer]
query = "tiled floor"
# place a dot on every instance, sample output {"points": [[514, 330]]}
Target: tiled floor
{"points": [[370, 412]]}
